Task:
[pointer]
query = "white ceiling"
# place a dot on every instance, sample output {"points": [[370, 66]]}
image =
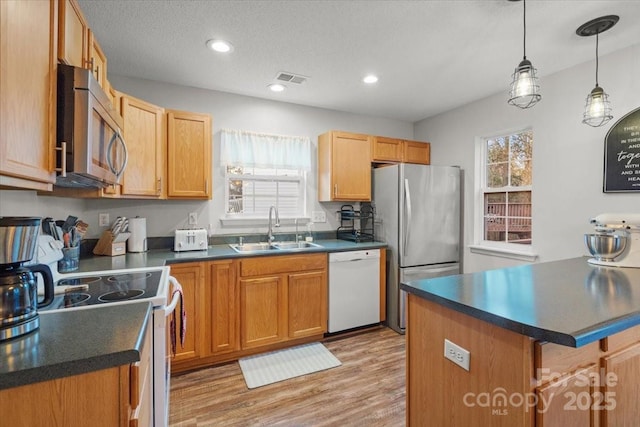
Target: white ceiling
{"points": [[431, 56]]}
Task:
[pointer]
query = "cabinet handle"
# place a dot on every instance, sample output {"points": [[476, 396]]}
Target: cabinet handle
{"points": [[98, 73], [63, 159], [206, 186], [159, 189], [89, 62], [335, 190]]}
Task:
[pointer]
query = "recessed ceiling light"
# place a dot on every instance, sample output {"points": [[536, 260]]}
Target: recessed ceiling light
{"points": [[276, 87], [221, 46], [370, 79]]}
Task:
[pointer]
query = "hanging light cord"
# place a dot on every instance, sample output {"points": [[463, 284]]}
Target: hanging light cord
{"points": [[597, 59], [524, 38]]}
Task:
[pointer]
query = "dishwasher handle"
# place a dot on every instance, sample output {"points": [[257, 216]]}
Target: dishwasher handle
{"points": [[352, 256]]}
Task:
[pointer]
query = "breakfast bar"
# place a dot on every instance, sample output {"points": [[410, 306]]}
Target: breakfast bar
{"points": [[548, 344]]}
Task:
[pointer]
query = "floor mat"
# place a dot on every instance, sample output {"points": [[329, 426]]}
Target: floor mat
{"points": [[281, 365]]}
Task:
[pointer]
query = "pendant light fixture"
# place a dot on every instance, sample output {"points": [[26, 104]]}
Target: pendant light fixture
{"points": [[525, 89], [597, 110]]}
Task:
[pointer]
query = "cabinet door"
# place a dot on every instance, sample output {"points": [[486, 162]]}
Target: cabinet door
{"points": [[191, 277], [28, 100], [386, 149], [622, 382], [72, 35], [188, 155], [569, 401], [307, 301], [344, 167], [97, 61], [417, 152], [143, 134], [224, 326], [263, 307]]}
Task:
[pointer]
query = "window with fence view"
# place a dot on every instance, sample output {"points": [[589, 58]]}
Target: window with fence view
{"points": [[507, 188]]}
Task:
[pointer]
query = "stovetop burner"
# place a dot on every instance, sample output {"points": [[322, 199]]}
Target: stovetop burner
{"points": [[75, 299], [78, 281], [120, 295], [105, 288]]}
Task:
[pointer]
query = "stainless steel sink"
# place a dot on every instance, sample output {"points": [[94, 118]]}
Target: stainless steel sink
{"points": [[295, 245], [253, 247], [249, 248]]}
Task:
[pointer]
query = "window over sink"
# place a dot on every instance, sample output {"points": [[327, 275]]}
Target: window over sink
{"points": [[263, 170]]}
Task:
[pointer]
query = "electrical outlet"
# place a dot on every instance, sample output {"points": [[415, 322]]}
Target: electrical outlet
{"points": [[103, 220], [193, 218], [457, 354], [318, 216]]}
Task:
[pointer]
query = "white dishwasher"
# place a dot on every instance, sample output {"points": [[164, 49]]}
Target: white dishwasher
{"points": [[354, 289]]}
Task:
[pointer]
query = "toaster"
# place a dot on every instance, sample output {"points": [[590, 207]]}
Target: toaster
{"points": [[191, 239]]}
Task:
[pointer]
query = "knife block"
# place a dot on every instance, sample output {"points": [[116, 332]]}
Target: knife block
{"points": [[111, 245]]}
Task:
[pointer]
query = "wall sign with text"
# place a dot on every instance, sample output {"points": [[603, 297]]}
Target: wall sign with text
{"points": [[622, 155]]}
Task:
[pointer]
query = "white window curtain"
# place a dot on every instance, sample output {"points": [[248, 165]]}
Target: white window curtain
{"points": [[259, 150]]}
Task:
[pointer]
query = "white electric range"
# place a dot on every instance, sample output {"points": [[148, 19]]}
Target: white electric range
{"points": [[86, 290]]}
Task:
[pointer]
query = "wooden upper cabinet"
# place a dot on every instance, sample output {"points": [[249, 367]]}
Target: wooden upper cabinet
{"points": [[386, 149], [97, 61], [188, 155], [28, 87], [344, 167], [144, 136], [72, 34], [417, 152], [395, 150]]}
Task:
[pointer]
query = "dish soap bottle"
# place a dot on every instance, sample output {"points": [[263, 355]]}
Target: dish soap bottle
{"points": [[309, 236]]}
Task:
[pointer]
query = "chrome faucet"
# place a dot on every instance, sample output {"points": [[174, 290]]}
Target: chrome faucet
{"points": [[270, 236]]}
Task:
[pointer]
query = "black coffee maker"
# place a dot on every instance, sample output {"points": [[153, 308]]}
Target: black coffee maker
{"points": [[18, 284]]}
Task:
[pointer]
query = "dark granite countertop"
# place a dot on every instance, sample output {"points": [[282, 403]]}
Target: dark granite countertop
{"points": [[75, 342], [568, 302], [159, 257]]}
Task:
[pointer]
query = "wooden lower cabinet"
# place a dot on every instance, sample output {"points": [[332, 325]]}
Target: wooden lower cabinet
{"points": [[238, 307], [622, 387], [564, 402], [263, 307], [192, 278], [514, 380], [282, 298], [225, 310], [307, 303]]}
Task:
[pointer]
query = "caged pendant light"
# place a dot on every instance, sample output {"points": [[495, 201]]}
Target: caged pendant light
{"points": [[525, 89], [597, 110]]}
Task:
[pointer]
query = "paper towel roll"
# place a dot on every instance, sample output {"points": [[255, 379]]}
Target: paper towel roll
{"points": [[137, 242]]}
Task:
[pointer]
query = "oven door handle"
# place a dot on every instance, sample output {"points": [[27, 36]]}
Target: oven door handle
{"points": [[176, 297]]}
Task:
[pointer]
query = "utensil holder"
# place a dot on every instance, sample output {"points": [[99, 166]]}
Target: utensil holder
{"points": [[70, 259]]}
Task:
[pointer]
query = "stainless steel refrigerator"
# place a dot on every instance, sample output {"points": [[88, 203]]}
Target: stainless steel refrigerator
{"points": [[418, 216]]}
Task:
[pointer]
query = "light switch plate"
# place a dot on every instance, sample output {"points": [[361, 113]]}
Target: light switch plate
{"points": [[457, 354]]}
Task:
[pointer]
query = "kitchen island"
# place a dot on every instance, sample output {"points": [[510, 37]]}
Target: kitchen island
{"points": [[554, 343]]}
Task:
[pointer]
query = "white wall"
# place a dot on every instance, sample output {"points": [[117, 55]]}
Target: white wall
{"points": [[228, 111], [568, 155]]}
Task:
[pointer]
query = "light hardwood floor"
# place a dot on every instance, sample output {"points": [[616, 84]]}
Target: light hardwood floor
{"points": [[368, 389]]}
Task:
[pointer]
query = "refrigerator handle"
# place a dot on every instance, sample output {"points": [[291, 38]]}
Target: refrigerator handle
{"points": [[407, 202]]}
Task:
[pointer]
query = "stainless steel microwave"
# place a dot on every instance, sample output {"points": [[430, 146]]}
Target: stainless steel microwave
{"points": [[91, 149]]}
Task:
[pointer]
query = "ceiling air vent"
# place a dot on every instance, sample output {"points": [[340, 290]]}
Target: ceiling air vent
{"points": [[291, 78]]}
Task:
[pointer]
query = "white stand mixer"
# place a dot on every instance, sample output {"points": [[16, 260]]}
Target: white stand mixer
{"points": [[626, 225]]}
